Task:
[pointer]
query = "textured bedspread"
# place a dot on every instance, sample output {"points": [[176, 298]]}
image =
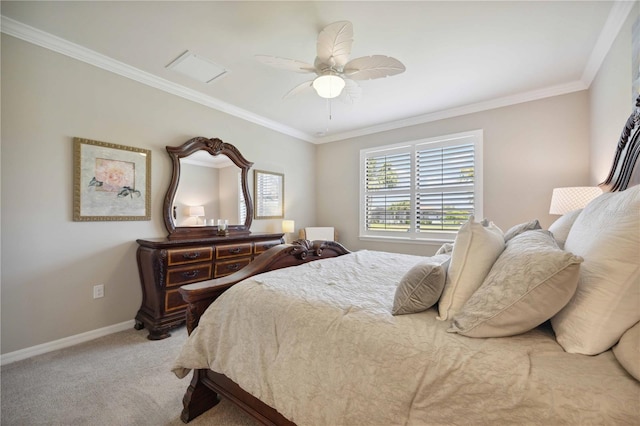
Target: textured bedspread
{"points": [[318, 343]]}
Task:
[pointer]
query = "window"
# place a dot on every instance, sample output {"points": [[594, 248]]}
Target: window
{"points": [[421, 190], [268, 190]]}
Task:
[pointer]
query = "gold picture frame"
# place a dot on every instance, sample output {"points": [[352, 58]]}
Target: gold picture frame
{"points": [[268, 190], [110, 182]]}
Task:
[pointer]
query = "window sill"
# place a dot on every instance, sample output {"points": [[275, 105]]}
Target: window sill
{"points": [[405, 240]]}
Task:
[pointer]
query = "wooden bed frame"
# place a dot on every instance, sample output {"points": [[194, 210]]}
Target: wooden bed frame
{"points": [[206, 386]]}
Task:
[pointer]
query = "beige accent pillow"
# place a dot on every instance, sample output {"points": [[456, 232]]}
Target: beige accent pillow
{"points": [[520, 228], [627, 351], [475, 249], [607, 235], [561, 227], [528, 284], [421, 287]]}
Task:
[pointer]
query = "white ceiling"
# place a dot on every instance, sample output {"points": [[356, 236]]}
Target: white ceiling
{"points": [[460, 56]]}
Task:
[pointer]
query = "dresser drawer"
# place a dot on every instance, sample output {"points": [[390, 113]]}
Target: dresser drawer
{"points": [[224, 251], [188, 274], [262, 246], [189, 255], [173, 301], [230, 266]]}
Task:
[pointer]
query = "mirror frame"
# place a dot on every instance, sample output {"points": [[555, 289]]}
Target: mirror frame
{"points": [[213, 146]]}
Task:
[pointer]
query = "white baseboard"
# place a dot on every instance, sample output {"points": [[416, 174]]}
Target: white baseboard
{"points": [[21, 354]]}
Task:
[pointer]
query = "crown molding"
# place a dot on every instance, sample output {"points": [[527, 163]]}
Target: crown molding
{"points": [[617, 16], [57, 44], [534, 95]]}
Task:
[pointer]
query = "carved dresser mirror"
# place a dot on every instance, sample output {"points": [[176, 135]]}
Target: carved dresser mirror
{"points": [[209, 184]]}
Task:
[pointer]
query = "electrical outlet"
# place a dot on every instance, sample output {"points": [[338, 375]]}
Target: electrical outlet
{"points": [[98, 291]]}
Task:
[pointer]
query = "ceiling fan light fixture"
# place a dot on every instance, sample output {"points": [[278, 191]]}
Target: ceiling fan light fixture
{"points": [[329, 85]]}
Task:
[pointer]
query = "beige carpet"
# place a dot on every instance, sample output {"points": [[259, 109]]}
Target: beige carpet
{"points": [[120, 379]]}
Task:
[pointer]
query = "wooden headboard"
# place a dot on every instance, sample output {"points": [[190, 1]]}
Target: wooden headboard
{"points": [[623, 171]]}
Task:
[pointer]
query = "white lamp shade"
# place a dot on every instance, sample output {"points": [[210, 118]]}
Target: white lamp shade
{"points": [[568, 199], [288, 226], [328, 86], [196, 211]]}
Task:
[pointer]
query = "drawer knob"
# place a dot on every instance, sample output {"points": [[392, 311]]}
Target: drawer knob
{"points": [[234, 267], [234, 250], [193, 255], [191, 274]]}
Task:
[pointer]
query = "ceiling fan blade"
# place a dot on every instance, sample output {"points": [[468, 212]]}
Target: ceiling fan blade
{"points": [[334, 44], [351, 92], [286, 64], [298, 89], [371, 67]]}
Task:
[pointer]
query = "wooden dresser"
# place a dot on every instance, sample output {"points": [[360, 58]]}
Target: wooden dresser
{"points": [[166, 264]]}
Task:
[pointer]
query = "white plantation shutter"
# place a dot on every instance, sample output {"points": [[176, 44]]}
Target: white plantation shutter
{"points": [[268, 193], [388, 188], [445, 186], [422, 190]]}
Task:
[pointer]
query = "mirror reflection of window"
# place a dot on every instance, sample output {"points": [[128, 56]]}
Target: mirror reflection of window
{"points": [[242, 206]]}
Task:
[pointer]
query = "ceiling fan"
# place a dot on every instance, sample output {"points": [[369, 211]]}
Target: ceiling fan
{"points": [[335, 73]]}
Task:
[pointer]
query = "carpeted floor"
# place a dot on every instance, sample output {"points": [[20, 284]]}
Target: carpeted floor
{"points": [[120, 379]]}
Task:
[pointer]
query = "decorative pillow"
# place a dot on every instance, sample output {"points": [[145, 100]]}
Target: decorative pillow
{"points": [[421, 287], [627, 351], [561, 227], [529, 283], [607, 235], [475, 249], [446, 248], [520, 228]]}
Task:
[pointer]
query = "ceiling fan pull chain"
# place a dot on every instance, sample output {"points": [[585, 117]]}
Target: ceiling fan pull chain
{"points": [[328, 115]]}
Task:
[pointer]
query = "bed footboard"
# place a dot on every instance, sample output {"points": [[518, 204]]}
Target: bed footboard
{"points": [[200, 295], [203, 393], [206, 385]]}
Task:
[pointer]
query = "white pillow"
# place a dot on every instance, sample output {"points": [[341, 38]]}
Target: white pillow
{"points": [[607, 235], [520, 228], [475, 249], [627, 351], [421, 287], [529, 283], [561, 227]]}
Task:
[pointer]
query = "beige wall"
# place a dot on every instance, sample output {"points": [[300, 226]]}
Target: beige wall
{"points": [[529, 149], [611, 100], [49, 262]]}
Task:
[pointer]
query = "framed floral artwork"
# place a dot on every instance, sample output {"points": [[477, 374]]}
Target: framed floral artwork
{"points": [[110, 182]]}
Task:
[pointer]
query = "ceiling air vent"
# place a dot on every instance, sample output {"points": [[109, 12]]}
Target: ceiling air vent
{"points": [[197, 67]]}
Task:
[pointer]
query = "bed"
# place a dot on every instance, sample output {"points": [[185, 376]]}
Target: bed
{"points": [[521, 326]]}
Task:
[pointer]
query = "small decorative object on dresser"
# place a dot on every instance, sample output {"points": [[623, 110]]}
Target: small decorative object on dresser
{"points": [[191, 254]]}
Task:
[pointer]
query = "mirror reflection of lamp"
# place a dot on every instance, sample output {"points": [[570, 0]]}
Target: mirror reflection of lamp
{"points": [[197, 212], [288, 227]]}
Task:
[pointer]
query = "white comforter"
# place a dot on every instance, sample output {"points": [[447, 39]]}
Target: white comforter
{"points": [[318, 343]]}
